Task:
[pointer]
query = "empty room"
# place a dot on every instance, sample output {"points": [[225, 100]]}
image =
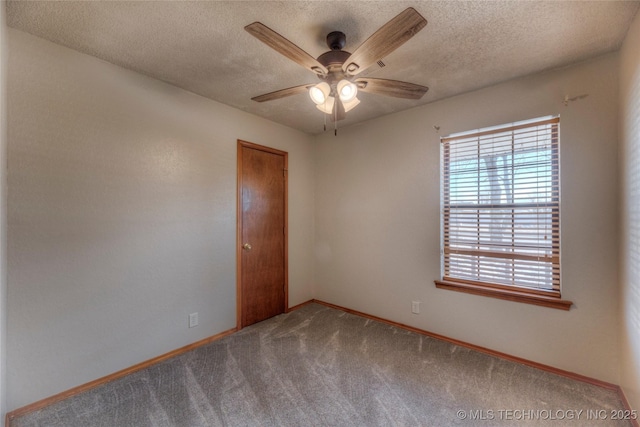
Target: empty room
{"points": [[319, 213]]}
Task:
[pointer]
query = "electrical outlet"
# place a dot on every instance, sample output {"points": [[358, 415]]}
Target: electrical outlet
{"points": [[193, 320], [415, 307]]}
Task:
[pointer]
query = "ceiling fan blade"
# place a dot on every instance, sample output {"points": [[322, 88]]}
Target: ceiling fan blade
{"points": [[384, 41], [282, 93], [393, 88], [285, 47]]}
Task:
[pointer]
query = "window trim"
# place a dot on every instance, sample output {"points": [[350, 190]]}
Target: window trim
{"points": [[542, 297], [504, 294]]}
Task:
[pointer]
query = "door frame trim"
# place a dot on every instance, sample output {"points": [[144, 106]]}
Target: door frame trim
{"points": [[242, 144]]}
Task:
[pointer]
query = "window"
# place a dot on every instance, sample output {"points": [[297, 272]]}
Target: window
{"points": [[501, 212]]}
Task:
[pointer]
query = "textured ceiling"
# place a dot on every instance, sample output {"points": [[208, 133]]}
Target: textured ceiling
{"points": [[202, 46]]}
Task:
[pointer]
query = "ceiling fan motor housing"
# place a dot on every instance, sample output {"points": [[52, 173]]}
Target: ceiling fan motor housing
{"points": [[333, 60], [336, 40]]}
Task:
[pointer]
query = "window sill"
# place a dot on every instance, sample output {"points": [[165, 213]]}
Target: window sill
{"points": [[505, 294]]}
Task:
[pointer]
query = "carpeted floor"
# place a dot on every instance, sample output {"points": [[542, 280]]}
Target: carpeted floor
{"points": [[318, 366]]}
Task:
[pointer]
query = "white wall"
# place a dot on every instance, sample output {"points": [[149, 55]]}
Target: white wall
{"points": [[378, 220], [3, 208], [122, 216], [630, 214]]}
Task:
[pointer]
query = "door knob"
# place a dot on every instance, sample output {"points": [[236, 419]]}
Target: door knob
{"points": [[246, 246]]}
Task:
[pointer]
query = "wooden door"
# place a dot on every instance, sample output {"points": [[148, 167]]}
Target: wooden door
{"points": [[262, 233]]}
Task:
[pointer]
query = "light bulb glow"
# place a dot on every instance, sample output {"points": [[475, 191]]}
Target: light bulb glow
{"points": [[316, 95], [319, 93], [347, 90]]}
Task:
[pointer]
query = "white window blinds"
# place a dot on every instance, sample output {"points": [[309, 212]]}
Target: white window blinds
{"points": [[501, 207]]}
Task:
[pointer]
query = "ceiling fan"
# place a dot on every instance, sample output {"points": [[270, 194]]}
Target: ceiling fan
{"points": [[337, 92]]}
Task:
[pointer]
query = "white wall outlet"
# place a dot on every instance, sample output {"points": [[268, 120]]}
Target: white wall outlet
{"points": [[415, 307], [193, 320]]}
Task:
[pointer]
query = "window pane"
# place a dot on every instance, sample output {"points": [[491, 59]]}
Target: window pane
{"points": [[501, 206]]}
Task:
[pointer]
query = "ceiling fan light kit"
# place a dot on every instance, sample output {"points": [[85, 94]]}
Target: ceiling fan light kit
{"points": [[327, 106], [320, 92], [347, 90], [348, 106], [337, 93], [324, 97]]}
